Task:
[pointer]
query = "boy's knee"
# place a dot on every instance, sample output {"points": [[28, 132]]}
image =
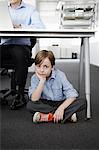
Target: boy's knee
{"points": [[32, 105], [82, 102]]}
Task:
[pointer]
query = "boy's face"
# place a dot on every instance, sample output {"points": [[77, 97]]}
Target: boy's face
{"points": [[44, 68]]}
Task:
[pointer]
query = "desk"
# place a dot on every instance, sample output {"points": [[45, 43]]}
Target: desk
{"points": [[84, 34]]}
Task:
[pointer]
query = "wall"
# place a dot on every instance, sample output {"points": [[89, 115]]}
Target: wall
{"points": [[32, 2], [51, 18], [94, 49]]}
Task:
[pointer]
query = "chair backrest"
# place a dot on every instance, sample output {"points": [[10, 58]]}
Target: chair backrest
{"points": [[8, 64], [6, 61]]}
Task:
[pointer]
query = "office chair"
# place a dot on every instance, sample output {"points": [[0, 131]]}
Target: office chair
{"points": [[8, 64], [12, 92], [4, 71]]}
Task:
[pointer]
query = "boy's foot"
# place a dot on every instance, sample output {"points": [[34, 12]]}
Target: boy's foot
{"points": [[73, 118], [42, 117]]}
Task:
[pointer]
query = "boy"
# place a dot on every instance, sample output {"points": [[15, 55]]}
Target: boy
{"points": [[52, 97]]}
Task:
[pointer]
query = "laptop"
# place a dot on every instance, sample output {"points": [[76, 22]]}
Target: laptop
{"points": [[5, 19]]}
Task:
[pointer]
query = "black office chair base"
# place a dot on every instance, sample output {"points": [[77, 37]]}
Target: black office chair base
{"points": [[13, 99], [5, 72], [2, 93], [6, 93], [17, 102]]}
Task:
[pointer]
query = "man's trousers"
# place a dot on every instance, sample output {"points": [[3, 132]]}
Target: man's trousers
{"points": [[19, 56]]}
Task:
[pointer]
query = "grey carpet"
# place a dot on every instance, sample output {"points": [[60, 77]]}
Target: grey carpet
{"points": [[19, 133]]}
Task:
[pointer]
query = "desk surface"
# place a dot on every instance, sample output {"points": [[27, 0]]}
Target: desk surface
{"points": [[45, 33]]}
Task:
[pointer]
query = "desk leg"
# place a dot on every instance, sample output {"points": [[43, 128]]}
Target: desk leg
{"points": [[81, 66], [87, 76]]}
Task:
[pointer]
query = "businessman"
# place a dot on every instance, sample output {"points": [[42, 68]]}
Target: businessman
{"points": [[24, 16]]}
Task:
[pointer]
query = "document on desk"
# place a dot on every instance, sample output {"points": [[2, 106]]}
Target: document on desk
{"points": [[5, 19]]}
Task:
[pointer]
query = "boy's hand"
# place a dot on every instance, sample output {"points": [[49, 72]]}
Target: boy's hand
{"points": [[58, 115], [41, 77]]}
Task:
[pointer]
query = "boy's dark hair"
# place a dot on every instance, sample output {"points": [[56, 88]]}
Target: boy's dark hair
{"points": [[41, 55]]}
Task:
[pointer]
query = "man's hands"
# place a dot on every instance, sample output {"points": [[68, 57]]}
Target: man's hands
{"points": [[17, 26]]}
